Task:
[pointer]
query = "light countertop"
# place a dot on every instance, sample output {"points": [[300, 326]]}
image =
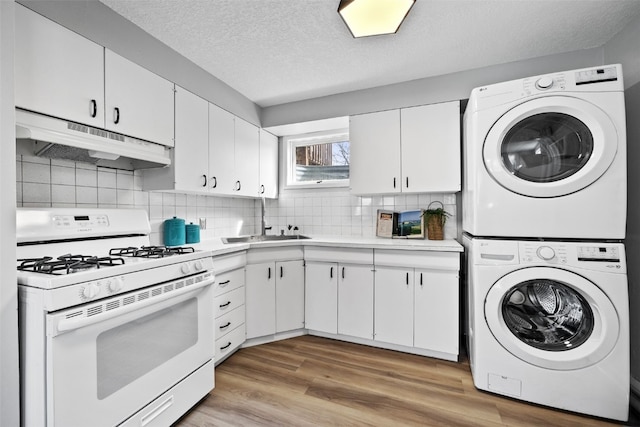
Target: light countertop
{"points": [[218, 248]]}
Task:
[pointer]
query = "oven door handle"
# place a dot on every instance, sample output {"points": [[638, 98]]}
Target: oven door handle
{"points": [[66, 325]]}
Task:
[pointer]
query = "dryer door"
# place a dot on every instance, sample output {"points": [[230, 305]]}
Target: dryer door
{"points": [[552, 318], [550, 146]]}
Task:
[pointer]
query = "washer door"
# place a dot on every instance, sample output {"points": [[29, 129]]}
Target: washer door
{"points": [[550, 146], [552, 318]]}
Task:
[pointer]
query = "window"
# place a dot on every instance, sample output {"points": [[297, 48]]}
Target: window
{"points": [[318, 160]]}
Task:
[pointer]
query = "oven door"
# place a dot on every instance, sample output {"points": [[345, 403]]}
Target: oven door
{"points": [[107, 360]]}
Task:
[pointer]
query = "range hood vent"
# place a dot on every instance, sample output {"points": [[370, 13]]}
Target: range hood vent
{"points": [[49, 137]]}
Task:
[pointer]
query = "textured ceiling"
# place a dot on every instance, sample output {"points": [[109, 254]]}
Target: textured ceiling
{"points": [[279, 51]]}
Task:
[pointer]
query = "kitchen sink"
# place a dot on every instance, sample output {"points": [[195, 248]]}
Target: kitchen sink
{"points": [[265, 238]]}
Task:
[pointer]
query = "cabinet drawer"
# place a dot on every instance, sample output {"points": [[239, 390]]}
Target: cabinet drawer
{"points": [[224, 263], [342, 255], [228, 281], [229, 301], [229, 342], [283, 253], [229, 321], [418, 259]]}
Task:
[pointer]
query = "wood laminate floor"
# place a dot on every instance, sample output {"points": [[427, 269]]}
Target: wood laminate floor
{"points": [[313, 381]]}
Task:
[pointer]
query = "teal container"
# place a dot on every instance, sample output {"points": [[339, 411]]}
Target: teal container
{"points": [[174, 232], [193, 233]]}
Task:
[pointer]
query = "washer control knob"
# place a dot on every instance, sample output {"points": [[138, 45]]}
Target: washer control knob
{"points": [[91, 291], [186, 268], [546, 253], [544, 83], [198, 265], [116, 284]]}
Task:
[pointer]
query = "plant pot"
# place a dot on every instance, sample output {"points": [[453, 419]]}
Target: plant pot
{"points": [[435, 228]]}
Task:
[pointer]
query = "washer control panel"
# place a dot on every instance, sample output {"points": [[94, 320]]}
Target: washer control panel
{"points": [[598, 253], [547, 252]]}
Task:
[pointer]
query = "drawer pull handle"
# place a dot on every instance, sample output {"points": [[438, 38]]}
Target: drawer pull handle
{"points": [[225, 304], [225, 326], [226, 282], [407, 278], [331, 273], [226, 346], [116, 115], [420, 279], [215, 182], [269, 273], [93, 108], [281, 271]]}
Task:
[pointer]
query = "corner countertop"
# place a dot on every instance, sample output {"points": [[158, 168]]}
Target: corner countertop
{"points": [[218, 248]]}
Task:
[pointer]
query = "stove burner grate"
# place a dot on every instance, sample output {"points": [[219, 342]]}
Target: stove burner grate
{"points": [[67, 264], [151, 251]]}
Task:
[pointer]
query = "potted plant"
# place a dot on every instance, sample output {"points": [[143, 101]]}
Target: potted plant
{"points": [[435, 218]]}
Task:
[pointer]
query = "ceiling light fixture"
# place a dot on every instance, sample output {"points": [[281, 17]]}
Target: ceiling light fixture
{"points": [[374, 17]]}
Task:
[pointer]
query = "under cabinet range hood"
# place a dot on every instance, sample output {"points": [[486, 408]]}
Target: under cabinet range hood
{"points": [[45, 136]]}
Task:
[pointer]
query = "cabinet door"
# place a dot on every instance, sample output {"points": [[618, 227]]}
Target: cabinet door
{"points": [[394, 305], [289, 295], [221, 150], [436, 310], [375, 152], [57, 72], [268, 165], [247, 161], [355, 300], [430, 137], [321, 296], [260, 299], [138, 102], [191, 152]]}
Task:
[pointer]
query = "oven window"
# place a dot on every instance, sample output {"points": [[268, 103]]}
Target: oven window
{"points": [[547, 147], [548, 315], [129, 351]]}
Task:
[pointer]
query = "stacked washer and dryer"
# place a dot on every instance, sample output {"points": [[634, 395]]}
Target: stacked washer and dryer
{"points": [[544, 218]]}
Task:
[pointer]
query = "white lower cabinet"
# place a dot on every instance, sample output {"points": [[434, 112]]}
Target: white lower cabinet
{"points": [[394, 305], [436, 305], [229, 304], [321, 296], [274, 291], [417, 300], [339, 291], [355, 301]]}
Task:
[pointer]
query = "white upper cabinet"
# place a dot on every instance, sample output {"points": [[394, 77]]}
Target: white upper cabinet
{"points": [[221, 150], [62, 74], [268, 165], [247, 163], [137, 102], [189, 169], [410, 150], [375, 153], [57, 72], [430, 136], [191, 151]]}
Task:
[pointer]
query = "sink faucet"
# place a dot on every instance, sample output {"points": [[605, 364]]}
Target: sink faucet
{"points": [[263, 224]]}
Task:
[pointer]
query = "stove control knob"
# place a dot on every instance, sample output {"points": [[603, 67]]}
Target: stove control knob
{"points": [[198, 265], [186, 268], [91, 291], [544, 83], [116, 284], [546, 253]]}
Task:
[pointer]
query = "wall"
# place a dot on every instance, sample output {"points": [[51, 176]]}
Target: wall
{"points": [[42, 182], [105, 27], [9, 387], [424, 91], [335, 212]]}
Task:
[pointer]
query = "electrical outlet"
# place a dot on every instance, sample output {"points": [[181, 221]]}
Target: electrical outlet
{"points": [[203, 223], [449, 199]]}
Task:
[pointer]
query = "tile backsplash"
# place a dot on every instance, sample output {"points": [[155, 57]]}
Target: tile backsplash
{"points": [[43, 182]]}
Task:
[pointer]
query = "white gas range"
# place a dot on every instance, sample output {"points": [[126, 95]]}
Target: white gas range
{"points": [[113, 331]]}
